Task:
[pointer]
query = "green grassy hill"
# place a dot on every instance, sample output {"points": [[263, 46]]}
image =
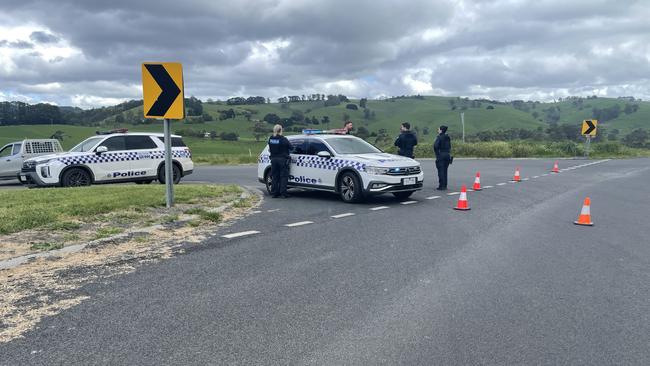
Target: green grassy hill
{"points": [[427, 112]]}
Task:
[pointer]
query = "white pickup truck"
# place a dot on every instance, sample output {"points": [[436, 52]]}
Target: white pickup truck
{"points": [[13, 154]]}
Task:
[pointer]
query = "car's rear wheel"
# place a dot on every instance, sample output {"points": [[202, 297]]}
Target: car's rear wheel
{"points": [[268, 181], [76, 177], [350, 188], [176, 174], [403, 195]]}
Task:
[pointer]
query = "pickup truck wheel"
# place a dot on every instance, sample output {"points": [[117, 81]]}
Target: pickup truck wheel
{"points": [[75, 177]]}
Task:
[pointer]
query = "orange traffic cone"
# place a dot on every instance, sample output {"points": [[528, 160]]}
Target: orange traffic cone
{"points": [[462, 200], [477, 182], [556, 168], [517, 177], [585, 214]]}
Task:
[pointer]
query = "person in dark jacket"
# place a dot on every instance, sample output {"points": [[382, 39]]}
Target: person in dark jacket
{"points": [[442, 149], [406, 141], [279, 148]]}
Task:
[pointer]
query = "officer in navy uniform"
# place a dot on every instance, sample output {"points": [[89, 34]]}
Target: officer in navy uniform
{"points": [[442, 149], [279, 147]]}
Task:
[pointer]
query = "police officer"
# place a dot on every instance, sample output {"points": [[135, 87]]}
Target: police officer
{"points": [[279, 147], [406, 141], [442, 149]]}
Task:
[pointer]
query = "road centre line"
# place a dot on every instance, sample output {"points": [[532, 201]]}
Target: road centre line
{"points": [[342, 215], [237, 235], [453, 193], [432, 197], [535, 177], [486, 187], [301, 223], [275, 210], [408, 202], [379, 208], [501, 184], [526, 178]]}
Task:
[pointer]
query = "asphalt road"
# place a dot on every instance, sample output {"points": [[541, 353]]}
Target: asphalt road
{"points": [[511, 282]]}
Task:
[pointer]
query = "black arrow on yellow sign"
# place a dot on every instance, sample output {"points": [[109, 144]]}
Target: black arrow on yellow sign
{"points": [[590, 127], [169, 90]]}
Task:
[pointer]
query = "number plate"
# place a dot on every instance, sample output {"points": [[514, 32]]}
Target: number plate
{"points": [[23, 177], [409, 181]]}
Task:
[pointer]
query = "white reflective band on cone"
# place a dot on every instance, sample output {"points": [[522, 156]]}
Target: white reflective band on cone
{"points": [[585, 210], [463, 196]]}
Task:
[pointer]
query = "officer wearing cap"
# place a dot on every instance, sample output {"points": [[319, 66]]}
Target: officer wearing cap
{"points": [[279, 148], [442, 149]]}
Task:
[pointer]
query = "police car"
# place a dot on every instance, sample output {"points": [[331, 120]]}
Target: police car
{"points": [[109, 158], [346, 165]]}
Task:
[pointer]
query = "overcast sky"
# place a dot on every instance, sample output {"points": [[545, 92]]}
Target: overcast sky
{"points": [[88, 53]]}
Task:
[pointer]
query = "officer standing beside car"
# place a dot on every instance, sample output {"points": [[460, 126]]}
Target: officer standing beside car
{"points": [[442, 149], [279, 149], [406, 141]]}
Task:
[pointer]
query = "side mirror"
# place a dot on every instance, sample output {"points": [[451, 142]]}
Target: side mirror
{"points": [[101, 149], [324, 154]]}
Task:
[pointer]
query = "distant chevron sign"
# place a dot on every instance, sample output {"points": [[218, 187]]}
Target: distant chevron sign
{"points": [[589, 127], [162, 89]]}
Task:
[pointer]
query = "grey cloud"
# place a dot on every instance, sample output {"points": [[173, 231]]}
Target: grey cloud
{"points": [[43, 37], [502, 47], [19, 45]]}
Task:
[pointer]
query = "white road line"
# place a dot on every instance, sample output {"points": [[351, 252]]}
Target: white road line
{"points": [[432, 197], [276, 210], [237, 235], [545, 175], [501, 184], [408, 202], [379, 208], [342, 215], [470, 190], [256, 212], [535, 177], [301, 223], [526, 179], [453, 193], [486, 187]]}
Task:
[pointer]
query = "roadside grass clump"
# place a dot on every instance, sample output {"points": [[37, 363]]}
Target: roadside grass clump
{"points": [[67, 209], [168, 219], [46, 246], [105, 232], [205, 215]]}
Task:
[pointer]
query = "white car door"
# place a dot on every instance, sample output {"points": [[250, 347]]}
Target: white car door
{"points": [[298, 167], [115, 164], [143, 150], [6, 161], [322, 170]]}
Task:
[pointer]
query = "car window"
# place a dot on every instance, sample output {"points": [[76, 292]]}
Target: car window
{"points": [[176, 141], [140, 143], [351, 146], [6, 151], [316, 146], [86, 145], [115, 143], [16, 149], [298, 146]]}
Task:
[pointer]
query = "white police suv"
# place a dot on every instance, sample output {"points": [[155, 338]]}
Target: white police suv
{"points": [[346, 165], [109, 158]]}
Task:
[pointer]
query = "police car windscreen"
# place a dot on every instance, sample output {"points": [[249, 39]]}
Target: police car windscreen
{"points": [[87, 144], [351, 146]]}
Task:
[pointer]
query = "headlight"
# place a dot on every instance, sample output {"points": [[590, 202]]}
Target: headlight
{"points": [[376, 170]]}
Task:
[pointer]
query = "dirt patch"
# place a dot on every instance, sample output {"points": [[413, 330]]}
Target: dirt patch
{"points": [[47, 286]]}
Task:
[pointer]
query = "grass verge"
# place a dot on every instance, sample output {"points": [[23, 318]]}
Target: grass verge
{"points": [[67, 209]]}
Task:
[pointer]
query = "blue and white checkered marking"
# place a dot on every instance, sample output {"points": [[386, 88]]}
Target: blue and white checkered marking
{"points": [[110, 157], [317, 162]]}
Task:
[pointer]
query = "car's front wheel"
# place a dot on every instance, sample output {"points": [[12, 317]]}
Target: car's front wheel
{"points": [[403, 195], [350, 188], [76, 177], [176, 174]]}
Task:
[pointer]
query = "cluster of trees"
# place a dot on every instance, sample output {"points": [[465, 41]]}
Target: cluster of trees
{"points": [[296, 118], [247, 101]]}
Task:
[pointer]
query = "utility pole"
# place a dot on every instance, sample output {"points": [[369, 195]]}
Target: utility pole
{"points": [[462, 121]]}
